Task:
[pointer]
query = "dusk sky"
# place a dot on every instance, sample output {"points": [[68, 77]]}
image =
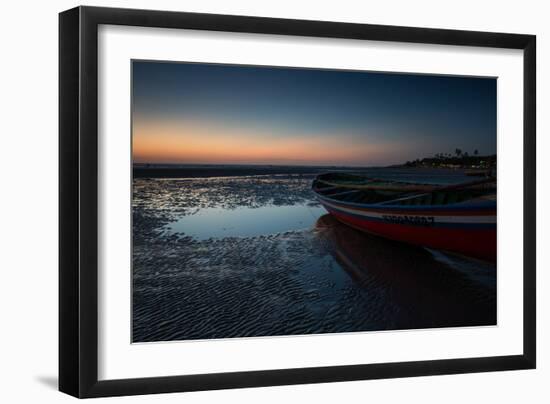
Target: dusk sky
{"points": [[228, 114]]}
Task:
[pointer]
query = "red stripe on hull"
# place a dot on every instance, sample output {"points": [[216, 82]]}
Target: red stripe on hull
{"points": [[477, 243]]}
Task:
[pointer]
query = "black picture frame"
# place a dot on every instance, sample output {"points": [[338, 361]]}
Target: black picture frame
{"points": [[78, 201]]}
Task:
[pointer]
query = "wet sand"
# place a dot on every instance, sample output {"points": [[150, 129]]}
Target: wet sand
{"points": [[323, 278]]}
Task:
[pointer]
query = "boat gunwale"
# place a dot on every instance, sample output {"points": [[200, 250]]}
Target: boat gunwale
{"points": [[382, 206]]}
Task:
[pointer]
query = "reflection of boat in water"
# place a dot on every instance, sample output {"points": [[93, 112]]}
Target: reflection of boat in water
{"points": [[460, 218], [407, 284]]}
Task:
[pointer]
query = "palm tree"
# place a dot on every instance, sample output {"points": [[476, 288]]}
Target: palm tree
{"points": [[458, 152], [476, 152]]}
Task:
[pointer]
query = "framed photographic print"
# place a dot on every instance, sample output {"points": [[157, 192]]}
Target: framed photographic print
{"points": [[251, 201]]}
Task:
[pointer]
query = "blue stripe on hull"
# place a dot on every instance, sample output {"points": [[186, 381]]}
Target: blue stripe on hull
{"points": [[488, 206]]}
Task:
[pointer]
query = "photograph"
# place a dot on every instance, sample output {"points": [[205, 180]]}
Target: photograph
{"points": [[272, 201]]}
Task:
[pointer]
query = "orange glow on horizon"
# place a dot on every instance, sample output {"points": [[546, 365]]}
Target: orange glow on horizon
{"points": [[196, 142]]}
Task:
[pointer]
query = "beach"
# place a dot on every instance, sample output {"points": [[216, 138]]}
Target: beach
{"points": [[249, 252]]}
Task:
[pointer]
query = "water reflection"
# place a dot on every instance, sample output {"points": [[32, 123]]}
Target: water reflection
{"points": [[426, 288], [246, 221]]}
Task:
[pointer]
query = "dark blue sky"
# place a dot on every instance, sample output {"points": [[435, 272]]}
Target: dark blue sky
{"points": [[367, 118]]}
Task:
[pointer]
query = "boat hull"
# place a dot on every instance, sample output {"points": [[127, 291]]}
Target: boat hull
{"points": [[463, 230]]}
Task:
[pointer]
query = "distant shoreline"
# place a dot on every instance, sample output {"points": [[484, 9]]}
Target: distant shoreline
{"points": [[208, 171], [198, 171]]}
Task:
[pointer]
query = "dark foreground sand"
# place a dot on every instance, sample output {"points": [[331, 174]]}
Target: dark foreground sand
{"points": [[325, 279]]}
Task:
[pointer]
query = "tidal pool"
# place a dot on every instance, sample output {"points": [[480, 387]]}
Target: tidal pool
{"points": [[246, 221]]}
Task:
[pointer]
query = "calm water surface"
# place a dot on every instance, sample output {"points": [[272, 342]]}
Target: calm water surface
{"points": [[246, 221]]}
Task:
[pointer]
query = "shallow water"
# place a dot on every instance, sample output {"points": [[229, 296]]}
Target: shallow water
{"points": [[245, 221], [257, 256]]}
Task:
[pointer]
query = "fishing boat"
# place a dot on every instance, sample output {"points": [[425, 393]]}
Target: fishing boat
{"points": [[459, 218]]}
